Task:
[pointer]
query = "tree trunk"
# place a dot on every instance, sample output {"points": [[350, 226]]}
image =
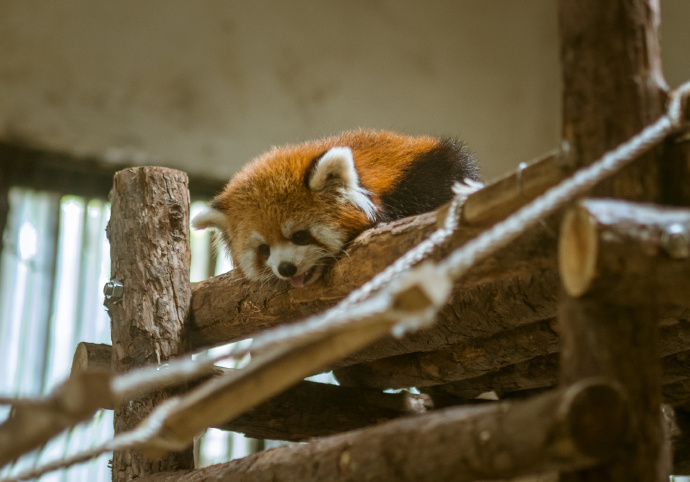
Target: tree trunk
{"points": [[613, 87], [149, 249]]}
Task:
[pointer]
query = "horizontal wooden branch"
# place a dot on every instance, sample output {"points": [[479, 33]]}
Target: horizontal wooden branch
{"points": [[475, 357], [311, 409], [542, 373], [564, 430], [227, 307], [640, 253], [469, 359]]}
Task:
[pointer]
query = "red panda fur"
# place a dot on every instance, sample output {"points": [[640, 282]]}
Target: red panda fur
{"points": [[271, 196]]}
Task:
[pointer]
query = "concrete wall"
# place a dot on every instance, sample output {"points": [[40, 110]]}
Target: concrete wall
{"points": [[206, 85]]}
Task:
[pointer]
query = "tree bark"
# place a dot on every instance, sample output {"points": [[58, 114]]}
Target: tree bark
{"points": [[92, 356], [619, 343], [632, 253], [542, 373], [469, 359], [311, 409], [681, 445], [516, 287], [150, 256], [575, 427], [613, 87]]}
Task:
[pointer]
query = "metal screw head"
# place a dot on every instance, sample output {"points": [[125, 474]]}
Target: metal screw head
{"points": [[113, 290], [676, 241]]}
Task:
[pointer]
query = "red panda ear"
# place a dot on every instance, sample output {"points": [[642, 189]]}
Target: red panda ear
{"points": [[335, 172], [335, 169], [209, 218]]}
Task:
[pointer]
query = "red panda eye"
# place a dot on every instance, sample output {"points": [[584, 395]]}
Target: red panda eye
{"points": [[264, 250], [300, 238]]}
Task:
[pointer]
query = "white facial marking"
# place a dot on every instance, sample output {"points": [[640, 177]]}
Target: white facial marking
{"points": [[247, 257], [329, 237], [288, 227], [246, 261]]}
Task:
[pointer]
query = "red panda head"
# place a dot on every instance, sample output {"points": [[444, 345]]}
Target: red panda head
{"points": [[290, 211]]}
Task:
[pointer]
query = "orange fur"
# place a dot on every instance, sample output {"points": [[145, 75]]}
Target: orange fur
{"points": [[271, 190]]}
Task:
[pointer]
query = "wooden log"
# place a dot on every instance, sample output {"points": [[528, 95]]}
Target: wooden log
{"points": [[92, 356], [538, 373], [512, 191], [516, 287], [677, 393], [470, 359], [575, 427], [681, 443], [621, 343], [306, 410], [477, 356], [312, 409], [227, 307], [613, 87], [495, 354], [150, 256], [631, 252], [542, 373], [676, 172]]}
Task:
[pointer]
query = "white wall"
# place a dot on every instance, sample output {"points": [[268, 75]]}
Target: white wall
{"points": [[206, 85]]}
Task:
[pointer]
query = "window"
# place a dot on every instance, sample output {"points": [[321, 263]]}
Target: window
{"points": [[54, 262]]}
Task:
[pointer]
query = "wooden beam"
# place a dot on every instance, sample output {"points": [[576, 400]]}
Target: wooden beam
{"points": [[620, 343], [469, 359], [613, 87], [517, 286], [312, 409], [681, 442], [576, 427], [149, 250], [631, 252], [542, 373]]}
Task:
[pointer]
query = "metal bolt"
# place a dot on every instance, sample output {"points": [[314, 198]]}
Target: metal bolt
{"points": [[676, 241], [113, 290]]}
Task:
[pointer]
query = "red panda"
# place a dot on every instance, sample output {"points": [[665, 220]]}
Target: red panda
{"points": [[290, 210]]}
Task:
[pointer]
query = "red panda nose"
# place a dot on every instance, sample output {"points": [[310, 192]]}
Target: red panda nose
{"points": [[287, 269]]}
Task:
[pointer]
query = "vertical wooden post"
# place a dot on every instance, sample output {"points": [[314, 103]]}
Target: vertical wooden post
{"points": [[613, 87], [149, 249]]}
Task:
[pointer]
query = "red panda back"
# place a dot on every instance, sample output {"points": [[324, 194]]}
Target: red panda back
{"points": [[408, 175]]}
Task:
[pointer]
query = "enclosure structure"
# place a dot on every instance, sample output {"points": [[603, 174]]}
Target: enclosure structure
{"points": [[579, 325]]}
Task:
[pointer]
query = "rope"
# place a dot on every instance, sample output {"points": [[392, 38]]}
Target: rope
{"points": [[506, 231], [462, 259], [419, 252]]}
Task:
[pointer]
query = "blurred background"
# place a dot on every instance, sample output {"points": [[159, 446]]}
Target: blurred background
{"points": [[205, 86], [89, 87]]}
